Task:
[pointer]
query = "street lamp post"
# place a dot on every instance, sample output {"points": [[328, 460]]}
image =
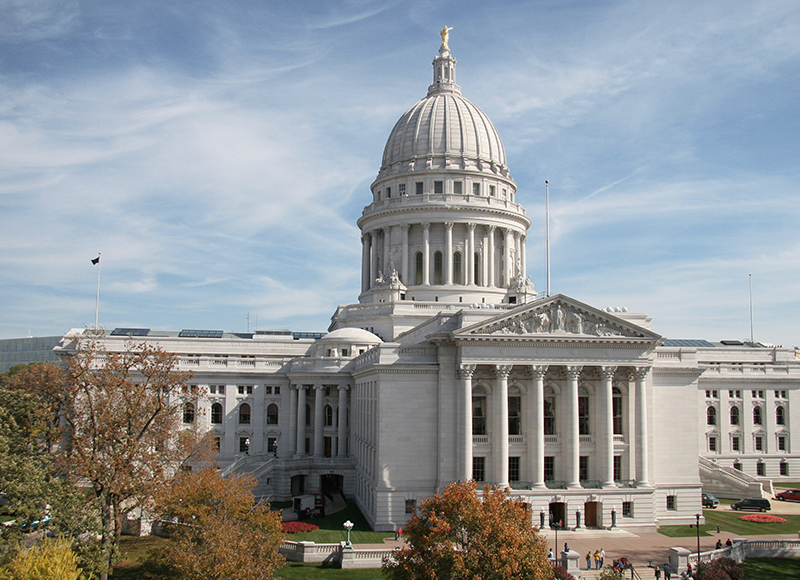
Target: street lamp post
{"points": [[348, 525], [697, 516]]}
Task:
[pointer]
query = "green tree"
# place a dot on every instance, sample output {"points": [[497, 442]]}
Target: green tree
{"points": [[51, 560], [220, 533], [457, 534]]}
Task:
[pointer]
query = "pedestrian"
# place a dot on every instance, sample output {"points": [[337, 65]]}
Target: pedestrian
{"points": [[658, 573], [728, 543], [719, 544], [589, 560], [667, 573], [689, 569], [597, 559], [400, 534], [550, 554], [602, 556]]}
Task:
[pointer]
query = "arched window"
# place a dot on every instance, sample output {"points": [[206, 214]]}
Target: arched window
{"points": [[477, 261], [583, 412], [616, 406], [458, 273], [757, 417], [711, 416], [328, 416], [514, 411], [437, 268], [188, 412], [549, 412], [418, 261], [272, 414], [780, 416], [216, 413], [734, 415], [244, 414], [478, 411]]}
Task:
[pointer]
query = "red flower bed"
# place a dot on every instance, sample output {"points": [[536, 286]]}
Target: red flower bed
{"points": [[297, 527], [763, 519]]}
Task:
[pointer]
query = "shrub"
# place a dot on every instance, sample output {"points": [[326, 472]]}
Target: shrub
{"points": [[763, 519], [53, 560], [560, 573], [720, 569], [297, 527]]}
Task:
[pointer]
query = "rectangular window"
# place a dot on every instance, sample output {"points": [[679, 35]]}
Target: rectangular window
{"points": [[328, 441], [268, 390], [712, 444], [781, 443], [388, 192], [221, 389], [616, 411], [761, 469], [401, 188], [672, 503], [308, 445], [277, 390], [549, 468], [513, 469], [583, 415], [272, 445], [491, 190], [759, 444], [784, 468], [411, 506], [419, 188], [479, 468], [514, 415], [438, 187], [627, 509], [583, 467], [476, 189], [457, 185], [735, 444], [212, 389], [618, 468], [479, 416], [240, 389], [244, 445]]}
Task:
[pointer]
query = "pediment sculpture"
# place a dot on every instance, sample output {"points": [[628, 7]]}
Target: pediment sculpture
{"points": [[558, 318]]}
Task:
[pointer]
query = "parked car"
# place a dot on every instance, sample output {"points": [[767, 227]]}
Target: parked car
{"points": [[788, 495], [758, 504], [709, 501]]}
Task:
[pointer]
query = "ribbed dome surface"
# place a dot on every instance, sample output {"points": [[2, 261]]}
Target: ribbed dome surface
{"points": [[444, 124]]}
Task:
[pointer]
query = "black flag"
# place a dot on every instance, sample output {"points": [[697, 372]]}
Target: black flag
{"points": [[96, 260]]}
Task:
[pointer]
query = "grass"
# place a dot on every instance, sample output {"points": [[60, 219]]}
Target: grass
{"points": [[729, 523], [331, 529], [771, 568], [134, 554], [298, 571]]}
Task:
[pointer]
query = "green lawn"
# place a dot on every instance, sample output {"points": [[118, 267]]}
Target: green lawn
{"points": [[297, 571], [729, 523], [331, 529], [771, 568]]}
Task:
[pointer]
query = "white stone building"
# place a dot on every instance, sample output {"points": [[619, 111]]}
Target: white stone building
{"points": [[451, 367]]}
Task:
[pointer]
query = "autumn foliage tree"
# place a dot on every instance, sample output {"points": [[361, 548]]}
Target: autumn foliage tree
{"points": [[457, 534], [220, 532], [123, 429]]}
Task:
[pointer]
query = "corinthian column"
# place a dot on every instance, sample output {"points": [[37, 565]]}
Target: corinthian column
{"points": [[404, 258], [319, 448], [341, 443], [640, 376], [364, 262], [605, 437], [572, 443], [507, 265], [373, 236], [387, 251], [465, 373], [448, 250], [426, 254], [301, 420], [500, 438], [536, 426], [470, 257], [490, 257]]}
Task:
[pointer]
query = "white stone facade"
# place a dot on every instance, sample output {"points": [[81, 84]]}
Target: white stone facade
{"points": [[450, 367]]}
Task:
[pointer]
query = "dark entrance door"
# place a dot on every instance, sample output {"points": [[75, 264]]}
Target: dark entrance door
{"points": [[558, 514], [298, 485], [590, 511]]}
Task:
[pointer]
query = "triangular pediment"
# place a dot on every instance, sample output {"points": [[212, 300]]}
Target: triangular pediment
{"points": [[558, 317]]}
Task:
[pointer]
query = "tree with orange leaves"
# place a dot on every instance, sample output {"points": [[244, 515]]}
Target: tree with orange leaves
{"points": [[124, 437], [220, 533], [457, 534]]}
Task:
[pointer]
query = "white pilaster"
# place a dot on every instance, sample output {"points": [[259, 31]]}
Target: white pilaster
{"points": [[572, 443], [364, 262], [490, 257], [292, 449], [470, 257], [341, 444], [387, 251], [507, 265], [374, 261], [605, 435], [500, 438]]}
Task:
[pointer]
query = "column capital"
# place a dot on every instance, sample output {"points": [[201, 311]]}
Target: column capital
{"points": [[426, 226], [573, 372], [505, 230], [470, 226], [448, 225], [607, 373], [319, 387], [405, 226], [299, 387], [490, 228], [465, 371], [502, 371], [385, 230], [537, 371], [639, 373], [343, 387]]}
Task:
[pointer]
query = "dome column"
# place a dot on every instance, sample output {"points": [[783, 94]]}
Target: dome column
{"points": [[387, 247], [448, 248], [507, 266], [523, 257], [374, 258], [404, 259], [490, 257], [426, 250], [365, 242], [470, 257]]}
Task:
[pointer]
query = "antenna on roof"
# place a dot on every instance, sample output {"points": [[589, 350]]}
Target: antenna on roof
{"points": [[750, 277], [547, 231]]}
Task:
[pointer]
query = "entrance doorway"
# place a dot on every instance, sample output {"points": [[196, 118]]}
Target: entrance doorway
{"points": [[558, 514], [298, 485], [330, 484], [590, 509]]}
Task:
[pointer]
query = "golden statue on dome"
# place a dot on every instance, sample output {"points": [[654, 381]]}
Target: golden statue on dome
{"points": [[445, 37]]}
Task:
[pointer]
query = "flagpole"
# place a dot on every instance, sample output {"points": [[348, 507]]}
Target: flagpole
{"points": [[547, 229], [97, 300], [750, 278]]}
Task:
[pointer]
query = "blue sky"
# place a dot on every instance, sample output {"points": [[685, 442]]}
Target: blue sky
{"points": [[218, 154]]}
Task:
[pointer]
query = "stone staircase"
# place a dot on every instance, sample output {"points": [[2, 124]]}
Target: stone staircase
{"points": [[731, 483]]}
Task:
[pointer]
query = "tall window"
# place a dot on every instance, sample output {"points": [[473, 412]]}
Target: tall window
{"points": [[438, 187], [244, 445], [784, 468], [735, 446], [583, 411], [780, 416], [549, 412], [479, 468], [419, 188], [477, 269], [188, 412], [458, 187], [513, 469], [272, 414], [437, 267], [419, 263], [476, 189], [328, 416], [759, 444], [757, 418], [514, 411], [712, 444], [617, 467], [616, 410], [216, 413], [734, 415], [583, 467], [478, 411], [244, 414], [761, 469], [711, 416], [458, 277], [549, 468]]}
